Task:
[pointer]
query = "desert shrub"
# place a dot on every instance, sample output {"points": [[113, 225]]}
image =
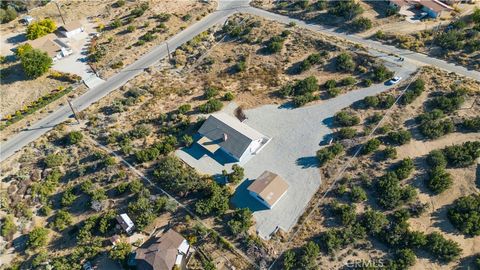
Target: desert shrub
{"points": [[301, 100], [374, 221], [370, 146], [143, 210], [120, 251], [346, 133], [68, 197], [328, 153], [212, 105], [229, 96], [472, 124], [439, 180], [275, 44], [381, 73], [147, 37], [389, 153], [432, 126], [8, 14], [367, 82], [371, 101], [236, 175], [345, 119], [465, 214], [333, 92], [116, 23], [344, 62], [120, 3], [183, 109], [415, 89], [450, 40], [147, 155], [37, 238], [399, 137], [443, 249], [334, 239], [215, 201], [390, 193], [74, 137], [135, 186], [449, 102], [35, 63], [241, 221], [436, 159], [210, 92], [309, 256], [139, 10], [307, 85], [8, 227], [289, 260], [163, 17], [54, 160], [40, 28], [358, 194], [403, 259], [404, 168], [330, 84], [174, 176], [187, 140], [463, 155], [63, 219], [308, 62], [344, 213], [140, 131], [361, 24], [348, 81], [346, 9]]}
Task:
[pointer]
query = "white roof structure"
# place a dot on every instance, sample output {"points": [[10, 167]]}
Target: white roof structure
{"points": [[125, 222], [223, 131]]}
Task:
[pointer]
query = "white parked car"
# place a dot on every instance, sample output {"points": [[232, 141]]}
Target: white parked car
{"points": [[394, 80]]}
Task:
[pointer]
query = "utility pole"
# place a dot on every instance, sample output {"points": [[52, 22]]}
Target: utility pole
{"points": [[74, 113], [59, 12], [168, 51]]}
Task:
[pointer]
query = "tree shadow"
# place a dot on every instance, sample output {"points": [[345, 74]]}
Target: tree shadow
{"points": [[307, 162], [441, 221], [17, 39], [13, 73]]}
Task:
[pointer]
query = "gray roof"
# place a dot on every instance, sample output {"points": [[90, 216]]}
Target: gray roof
{"points": [[160, 255], [239, 135]]}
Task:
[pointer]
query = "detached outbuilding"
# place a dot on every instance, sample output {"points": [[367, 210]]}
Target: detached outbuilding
{"points": [[226, 133], [71, 29], [268, 188], [126, 223]]}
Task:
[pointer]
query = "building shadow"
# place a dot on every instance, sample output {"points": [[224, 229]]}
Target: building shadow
{"points": [[242, 198], [17, 39]]}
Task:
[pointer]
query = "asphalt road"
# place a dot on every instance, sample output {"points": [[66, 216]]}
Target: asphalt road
{"points": [[225, 9]]}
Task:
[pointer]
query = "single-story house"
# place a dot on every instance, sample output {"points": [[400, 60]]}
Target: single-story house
{"points": [[226, 133], [435, 8], [52, 46], [268, 188], [71, 29], [125, 222], [170, 250]]}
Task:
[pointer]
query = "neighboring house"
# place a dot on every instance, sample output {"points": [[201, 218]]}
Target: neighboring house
{"points": [[268, 188], [170, 250], [226, 133], [434, 8], [71, 29], [126, 223], [52, 46]]}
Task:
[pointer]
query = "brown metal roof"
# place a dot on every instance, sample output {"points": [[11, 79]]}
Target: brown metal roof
{"points": [[269, 186], [46, 44], [434, 5], [160, 255], [71, 26]]}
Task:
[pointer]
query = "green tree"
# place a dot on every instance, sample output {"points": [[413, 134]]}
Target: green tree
{"points": [[309, 255], [40, 28], [374, 221], [7, 15], [443, 249], [236, 175], [358, 194], [345, 119], [346, 133], [436, 159], [328, 153], [174, 176], [74, 137], [465, 214], [120, 251], [68, 197], [35, 63], [63, 219], [289, 260], [370, 146], [8, 228], [216, 201], [361, 24], [212, 105], [54, 160], [37, 237], [439, 180], [345, 63], [241, 221], [399, 137]]}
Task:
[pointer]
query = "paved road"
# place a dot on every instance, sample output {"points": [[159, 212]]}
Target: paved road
{"points": [[415, 58], [225, 9]]}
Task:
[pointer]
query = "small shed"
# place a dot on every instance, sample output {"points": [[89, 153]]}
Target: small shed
{"points": [[125, 222], [27, 19], [71, 29], [268, 188]]}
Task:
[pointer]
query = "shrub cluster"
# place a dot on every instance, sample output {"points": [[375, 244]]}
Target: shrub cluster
{"points": [[472, 124], [328, 153], [308, 62], [449, 102], [432, 126], [390, 193], [370, 146], [212, 105], [415, 89], [379, 102], [302, 91], [399, 137], [345, 119], [465, 214]]}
